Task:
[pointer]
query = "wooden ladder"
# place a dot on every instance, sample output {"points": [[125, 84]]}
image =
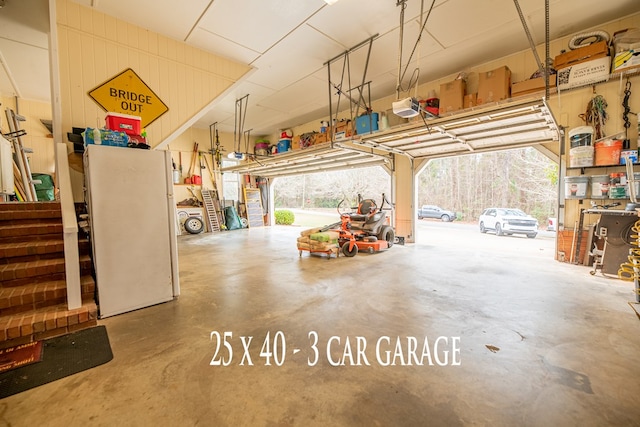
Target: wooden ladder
{"points": [[253, 202], [212, 215]]}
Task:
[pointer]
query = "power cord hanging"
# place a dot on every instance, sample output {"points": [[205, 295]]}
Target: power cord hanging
{"points": [[596, 114], [625, 115]]}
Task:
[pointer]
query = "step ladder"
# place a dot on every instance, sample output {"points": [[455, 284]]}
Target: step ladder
{"points": [[212, 215], [20, 153]]}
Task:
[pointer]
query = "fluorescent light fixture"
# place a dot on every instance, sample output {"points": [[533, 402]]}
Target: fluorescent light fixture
{"points": [[330, 2]]}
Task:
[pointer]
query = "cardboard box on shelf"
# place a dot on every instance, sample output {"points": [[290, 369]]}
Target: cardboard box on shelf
{"points": [[322, 137], [470, 100], [531, 85], [295, 142], [452, 96], [627, 60], [494, 85], [581, 54], [584, 73]]}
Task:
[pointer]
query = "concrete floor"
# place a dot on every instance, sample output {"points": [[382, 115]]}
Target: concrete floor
{"points": [[541, 343]]}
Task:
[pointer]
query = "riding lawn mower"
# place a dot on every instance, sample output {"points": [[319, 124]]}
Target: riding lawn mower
{"points": [[366, 229]]}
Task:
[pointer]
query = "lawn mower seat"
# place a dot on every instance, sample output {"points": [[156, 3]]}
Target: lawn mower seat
{"points": [[365, 209]]}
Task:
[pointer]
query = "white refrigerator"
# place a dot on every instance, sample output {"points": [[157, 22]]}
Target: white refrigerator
{"points": [[132, 215]]}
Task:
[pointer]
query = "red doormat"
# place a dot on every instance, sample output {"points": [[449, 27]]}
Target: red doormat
{"points": [[20, 355]]}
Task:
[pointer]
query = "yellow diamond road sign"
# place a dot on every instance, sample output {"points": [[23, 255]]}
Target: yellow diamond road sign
{"points": [[126, 93]]}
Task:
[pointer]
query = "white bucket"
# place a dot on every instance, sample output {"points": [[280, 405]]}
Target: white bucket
{"points": [[600, 187], [575, 187], [581, 136], [581, 156]]}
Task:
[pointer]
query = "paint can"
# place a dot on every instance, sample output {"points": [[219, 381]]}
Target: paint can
{"points": [[575, 187], [600, 187]]}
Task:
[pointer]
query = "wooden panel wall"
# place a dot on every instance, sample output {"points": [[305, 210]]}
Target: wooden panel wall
{"points": [[37, 137], [94, 47]]}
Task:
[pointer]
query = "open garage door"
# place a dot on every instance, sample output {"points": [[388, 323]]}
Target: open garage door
{"points": [[509, 124]]}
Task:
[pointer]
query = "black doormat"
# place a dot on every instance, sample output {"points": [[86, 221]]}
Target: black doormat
{"points": [[61, 357]]}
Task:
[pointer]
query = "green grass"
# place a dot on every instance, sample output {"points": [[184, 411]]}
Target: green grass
{"points": [[310, 219]]}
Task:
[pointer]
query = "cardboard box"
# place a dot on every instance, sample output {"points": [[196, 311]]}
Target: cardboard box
{"points": [[531, 85], [470, 100], [322, 137], [585, 73], [452, 96], [494, 85], [631, 154], [581, 54], [626, 60], [295, 142]]}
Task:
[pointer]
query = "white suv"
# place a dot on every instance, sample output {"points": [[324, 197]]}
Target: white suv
{"points": [[505, 221]]}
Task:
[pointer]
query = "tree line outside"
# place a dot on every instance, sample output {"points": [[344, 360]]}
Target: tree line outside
{"points": [[522, 178]]}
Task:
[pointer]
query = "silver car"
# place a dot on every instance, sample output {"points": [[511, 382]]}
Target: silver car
{"points": [[507, 221]]}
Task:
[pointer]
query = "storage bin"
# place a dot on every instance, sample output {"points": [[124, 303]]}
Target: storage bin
{"points": [[284, 145], [367, 124], [581, 156], [576, 187], [600, 186]]}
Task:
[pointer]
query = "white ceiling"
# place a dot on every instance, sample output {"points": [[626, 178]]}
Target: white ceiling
{"points": [[288, 43]]}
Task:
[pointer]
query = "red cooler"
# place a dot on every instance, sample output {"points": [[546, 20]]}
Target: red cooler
{"points": [[123, 123]]}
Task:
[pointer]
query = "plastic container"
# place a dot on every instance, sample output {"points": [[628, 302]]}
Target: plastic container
{"points": [[367, 124], [575, 187], [581, 136], [284, 145], [262, 147], [123, 123], [600, 186], [607, 152], [618, 191], [581, 156]]}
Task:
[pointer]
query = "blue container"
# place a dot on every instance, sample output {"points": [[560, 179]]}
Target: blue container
{"points": [[367, 124], [284, 145]]}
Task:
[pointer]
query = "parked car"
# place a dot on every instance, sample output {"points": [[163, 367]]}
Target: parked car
{"points": [[431, 211], [507, 221]]}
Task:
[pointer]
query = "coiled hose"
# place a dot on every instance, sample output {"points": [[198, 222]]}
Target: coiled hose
{"points": [[585, 39], [630, 271]]}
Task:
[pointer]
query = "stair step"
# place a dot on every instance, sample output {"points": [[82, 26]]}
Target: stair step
{"points": [[20, 215], [45, 323], [19, 299], [22, 273], [27, 228], [22, 249], [29, 206]]}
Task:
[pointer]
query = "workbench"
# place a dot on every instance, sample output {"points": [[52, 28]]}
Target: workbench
{"points": [[614, 227]]}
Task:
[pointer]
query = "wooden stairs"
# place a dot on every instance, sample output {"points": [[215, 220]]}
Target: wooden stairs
{"points": [[33, 294]]}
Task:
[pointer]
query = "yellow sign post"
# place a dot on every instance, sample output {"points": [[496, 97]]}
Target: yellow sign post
{"points": [[126, 93]]}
